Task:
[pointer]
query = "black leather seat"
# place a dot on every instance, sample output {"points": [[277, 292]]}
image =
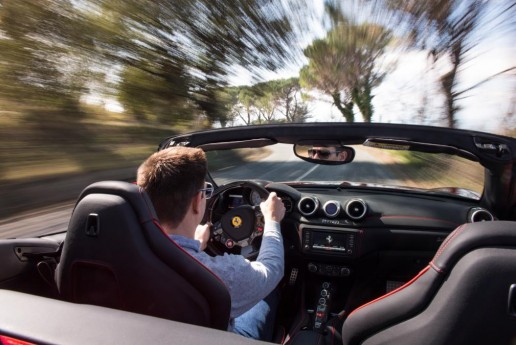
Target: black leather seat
{"points": [[116, 255], [466, 295]]}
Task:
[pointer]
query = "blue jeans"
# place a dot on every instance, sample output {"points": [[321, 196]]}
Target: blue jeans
{"points": [[258, 322]]}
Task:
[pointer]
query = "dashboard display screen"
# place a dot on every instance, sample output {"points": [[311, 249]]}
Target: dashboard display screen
{"points": [[329, 241], [235, 200]]}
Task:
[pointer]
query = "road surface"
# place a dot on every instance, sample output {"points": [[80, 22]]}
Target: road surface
{"points": [[283, 165]]}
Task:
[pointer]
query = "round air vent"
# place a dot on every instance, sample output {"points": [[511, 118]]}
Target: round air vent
{"points": [[331, 208], [308, 205], [356, 209], [479, 214]]}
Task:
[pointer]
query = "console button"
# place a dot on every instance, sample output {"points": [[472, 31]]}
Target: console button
{"points": [[312, 267], [344, 271]]}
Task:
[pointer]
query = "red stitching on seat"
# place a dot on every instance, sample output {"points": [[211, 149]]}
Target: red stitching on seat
{"points": [[450, 238], [392, 292], [434, 266]]}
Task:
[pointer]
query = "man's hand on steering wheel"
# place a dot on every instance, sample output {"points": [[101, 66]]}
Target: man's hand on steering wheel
{"points": [[202, 234], [273, 208]]}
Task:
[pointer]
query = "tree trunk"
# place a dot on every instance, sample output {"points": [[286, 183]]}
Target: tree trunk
{"points": [[362, 99], [448, 85], [346, 109]]}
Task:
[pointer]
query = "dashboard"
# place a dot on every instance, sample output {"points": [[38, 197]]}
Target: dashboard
{"points": [[342, 225]]}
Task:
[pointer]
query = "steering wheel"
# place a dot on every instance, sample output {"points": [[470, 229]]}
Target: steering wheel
{"points": [[239, 230]]}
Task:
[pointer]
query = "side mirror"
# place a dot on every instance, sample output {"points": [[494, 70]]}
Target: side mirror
{"points": [[330, 154]]}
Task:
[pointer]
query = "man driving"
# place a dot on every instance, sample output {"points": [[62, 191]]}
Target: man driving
{"points": [[174, 179]]}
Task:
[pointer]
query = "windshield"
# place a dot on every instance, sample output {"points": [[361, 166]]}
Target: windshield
{"points": [[441, 173]]}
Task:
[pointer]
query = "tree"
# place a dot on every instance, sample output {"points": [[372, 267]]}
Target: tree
{"points": [[446, 29], [290, 100], [271, 101], [152, 98], [241, 104], [344, 65]]}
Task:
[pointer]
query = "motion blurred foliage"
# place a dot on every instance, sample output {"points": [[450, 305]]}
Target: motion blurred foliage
{"points": [[344, 64], [169, 58], [39, 64], [449, 29]]}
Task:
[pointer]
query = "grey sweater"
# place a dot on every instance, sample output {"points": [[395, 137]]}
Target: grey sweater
{"points": [[248, 282]]}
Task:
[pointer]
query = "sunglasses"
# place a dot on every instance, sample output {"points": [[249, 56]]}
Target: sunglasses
{"points": [[208, 191], [321, 153]]}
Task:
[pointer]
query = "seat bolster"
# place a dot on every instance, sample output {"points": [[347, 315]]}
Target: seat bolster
{"points": [[389, 309], [130, 192], [471, 236], [200, 276]]}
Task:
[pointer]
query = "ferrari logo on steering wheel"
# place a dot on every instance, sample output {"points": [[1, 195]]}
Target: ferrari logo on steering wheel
{"points": [[236, 221]]}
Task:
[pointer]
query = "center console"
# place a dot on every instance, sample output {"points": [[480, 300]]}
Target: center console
{"points": [[322, 310], [329, 254]]}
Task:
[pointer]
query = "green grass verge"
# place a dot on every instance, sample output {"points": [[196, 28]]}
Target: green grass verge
{"points": [[228, 158], [32, 149], [440, 170]]}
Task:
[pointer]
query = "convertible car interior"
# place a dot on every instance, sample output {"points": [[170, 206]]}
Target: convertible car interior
{"points": [[377, 251]]}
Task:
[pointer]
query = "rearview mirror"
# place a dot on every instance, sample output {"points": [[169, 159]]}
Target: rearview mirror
{"points": [[325, 153]]}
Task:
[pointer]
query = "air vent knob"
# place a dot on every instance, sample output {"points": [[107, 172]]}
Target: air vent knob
{"points": [[479, 214], [308, 205], [356, 209]]}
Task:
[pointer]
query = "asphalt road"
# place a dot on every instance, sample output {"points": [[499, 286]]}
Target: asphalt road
{"points": [[280, 165], [39, 222], [283, 165]]}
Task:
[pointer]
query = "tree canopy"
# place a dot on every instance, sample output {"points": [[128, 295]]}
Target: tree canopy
{"points": [[279, 100], [344, 65]]}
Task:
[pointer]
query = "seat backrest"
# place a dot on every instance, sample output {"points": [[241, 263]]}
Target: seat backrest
{"points": [[466, 295], [116, 255]]}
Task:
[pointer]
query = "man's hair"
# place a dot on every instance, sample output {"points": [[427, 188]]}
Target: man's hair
{"points": [[171, 178]]}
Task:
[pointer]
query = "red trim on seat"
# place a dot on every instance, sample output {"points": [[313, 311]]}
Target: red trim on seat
{"points": [[12, 341], [283, 334], [434, 266], [392, 292]]}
